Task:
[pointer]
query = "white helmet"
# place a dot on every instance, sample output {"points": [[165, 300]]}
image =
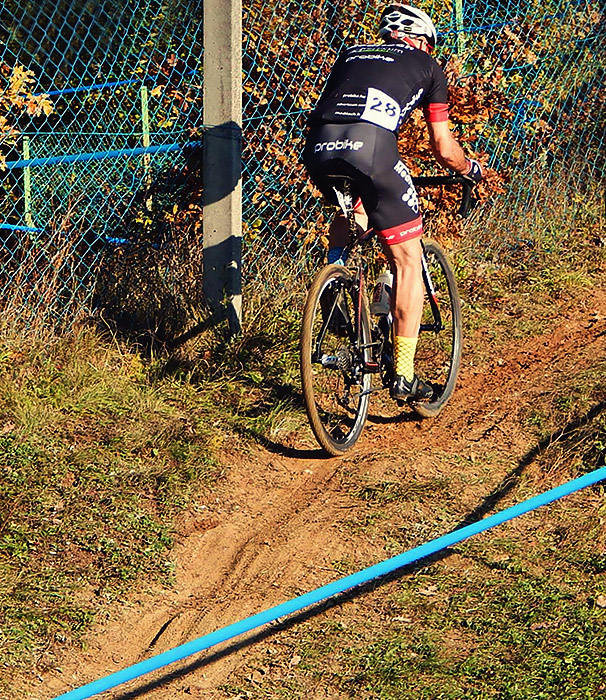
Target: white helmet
{"points": [[407, 20]]}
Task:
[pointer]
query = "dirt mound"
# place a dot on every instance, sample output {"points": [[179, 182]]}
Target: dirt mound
{"points": [[274, 528]]}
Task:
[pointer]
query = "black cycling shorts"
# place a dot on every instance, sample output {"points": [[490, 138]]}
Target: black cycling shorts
{"points": [[369, 155]]}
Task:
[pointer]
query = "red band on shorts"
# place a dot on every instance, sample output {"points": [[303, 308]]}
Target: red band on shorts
{"points": [[358, 206], [401, 233]]}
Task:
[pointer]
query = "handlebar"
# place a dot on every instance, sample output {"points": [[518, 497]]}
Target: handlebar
{"points": [[435, 180]]}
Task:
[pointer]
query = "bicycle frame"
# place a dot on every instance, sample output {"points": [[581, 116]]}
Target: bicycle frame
{"points": [[342, 344], [345, 199]]}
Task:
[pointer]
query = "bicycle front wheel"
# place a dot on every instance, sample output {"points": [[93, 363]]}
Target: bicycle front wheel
{"points": [[335, 338], [438, 353]]}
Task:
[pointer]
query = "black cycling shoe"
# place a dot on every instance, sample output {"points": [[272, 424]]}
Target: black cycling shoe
{"points": [[416, 389]]}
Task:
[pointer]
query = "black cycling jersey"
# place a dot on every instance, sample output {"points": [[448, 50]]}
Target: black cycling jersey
{"points": [[370, 92], [382, 84]]}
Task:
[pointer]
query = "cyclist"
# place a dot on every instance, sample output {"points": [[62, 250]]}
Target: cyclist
{"points": [[371, 91]]}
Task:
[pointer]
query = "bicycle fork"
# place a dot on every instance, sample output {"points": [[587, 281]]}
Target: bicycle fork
{"points": [[369, 364], [437, 325]]}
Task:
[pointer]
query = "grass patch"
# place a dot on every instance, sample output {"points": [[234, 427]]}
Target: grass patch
{"points": [[102, 447], [254, 377], [516, 269], [390, 492], [95, 462]]}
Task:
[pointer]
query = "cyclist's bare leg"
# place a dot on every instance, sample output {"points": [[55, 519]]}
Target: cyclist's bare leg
{"points": [[406, 309], [407, 294], [338, 232]]}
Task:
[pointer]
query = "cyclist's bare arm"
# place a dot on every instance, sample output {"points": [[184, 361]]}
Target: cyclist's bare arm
{"points": [[446, 148]]}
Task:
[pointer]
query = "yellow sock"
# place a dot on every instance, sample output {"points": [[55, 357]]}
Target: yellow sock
{"points": [[404, 356]]}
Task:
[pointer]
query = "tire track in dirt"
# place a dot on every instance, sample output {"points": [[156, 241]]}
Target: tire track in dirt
{"points": [[275, 528], [240, 560]]}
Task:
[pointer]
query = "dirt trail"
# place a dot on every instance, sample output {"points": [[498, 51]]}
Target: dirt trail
{"points": [[274, 529]]}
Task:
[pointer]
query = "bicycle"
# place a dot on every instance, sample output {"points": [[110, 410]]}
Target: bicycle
{"points": [[343, 348]]}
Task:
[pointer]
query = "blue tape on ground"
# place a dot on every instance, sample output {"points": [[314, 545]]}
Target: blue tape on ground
{"points": [[332, 589]]}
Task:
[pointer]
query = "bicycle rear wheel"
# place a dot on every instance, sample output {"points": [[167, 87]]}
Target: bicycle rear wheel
{"points": [[335, 385], [438, 353]]}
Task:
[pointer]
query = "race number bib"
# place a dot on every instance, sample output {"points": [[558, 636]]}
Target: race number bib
{"points": [[381, 109]]}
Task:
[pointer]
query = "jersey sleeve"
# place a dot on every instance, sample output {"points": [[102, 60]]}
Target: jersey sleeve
{"points": [[435, 105]]}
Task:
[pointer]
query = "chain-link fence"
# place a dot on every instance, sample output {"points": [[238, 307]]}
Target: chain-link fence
{"points": [[101, 197]]}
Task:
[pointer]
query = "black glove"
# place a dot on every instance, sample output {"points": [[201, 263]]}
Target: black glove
{"points": [[474, 174]]}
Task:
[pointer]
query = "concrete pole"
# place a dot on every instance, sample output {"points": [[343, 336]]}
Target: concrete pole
{"points": [[222, 153]]}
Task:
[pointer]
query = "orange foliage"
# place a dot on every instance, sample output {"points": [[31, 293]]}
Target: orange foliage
{"points": [[473, 102], [285, 74], [16, 98]]}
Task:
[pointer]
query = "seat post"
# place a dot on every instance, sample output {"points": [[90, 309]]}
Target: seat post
{"points": [[343, 191]]}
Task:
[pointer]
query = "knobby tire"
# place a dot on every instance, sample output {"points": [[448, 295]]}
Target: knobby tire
{"points": [[335, 394], [438, 355]]}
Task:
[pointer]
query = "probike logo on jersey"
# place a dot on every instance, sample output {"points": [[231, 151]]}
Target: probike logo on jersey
{"points": [[345, 145]]}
